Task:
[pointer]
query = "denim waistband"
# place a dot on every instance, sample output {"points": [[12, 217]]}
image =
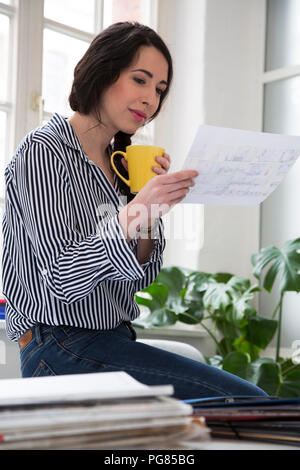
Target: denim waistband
{"points": [[40, 330]]}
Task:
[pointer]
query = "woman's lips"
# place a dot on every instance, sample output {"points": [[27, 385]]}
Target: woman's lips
{"points": [[138, 115]]}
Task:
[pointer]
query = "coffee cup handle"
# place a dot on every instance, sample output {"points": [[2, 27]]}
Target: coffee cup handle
{"points": [[114, 167]]}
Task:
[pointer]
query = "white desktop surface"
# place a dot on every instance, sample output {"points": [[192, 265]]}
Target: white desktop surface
{"points": [[230, 444]]}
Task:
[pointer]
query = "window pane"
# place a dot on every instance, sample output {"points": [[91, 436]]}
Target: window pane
{"points": [[282, 106], [126, 10], [8, 2], [3, 156], [4, 46], [76, 13], [283, 34], [61, 54]]}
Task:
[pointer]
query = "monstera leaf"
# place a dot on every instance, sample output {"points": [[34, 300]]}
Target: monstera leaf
{"points": [[230, 298], [173, 278], [164, 299], [284, 263]]}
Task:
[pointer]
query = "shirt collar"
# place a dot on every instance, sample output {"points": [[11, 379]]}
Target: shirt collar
{"points": [[64, 131]]}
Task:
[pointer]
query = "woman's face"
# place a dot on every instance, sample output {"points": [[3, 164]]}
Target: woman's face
{"points": [[131, 101]]}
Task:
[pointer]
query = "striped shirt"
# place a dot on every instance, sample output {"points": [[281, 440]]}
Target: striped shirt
{"points": [[66, 260]]}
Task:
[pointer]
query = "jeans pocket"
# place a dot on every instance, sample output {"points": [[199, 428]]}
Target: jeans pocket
{"points": [[43, 369]]}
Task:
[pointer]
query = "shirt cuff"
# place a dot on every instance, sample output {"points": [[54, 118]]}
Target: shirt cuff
{"points": [[159, 244]]}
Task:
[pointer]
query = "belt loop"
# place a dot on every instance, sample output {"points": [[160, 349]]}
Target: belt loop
{"points": [[131, 329], [37, 333]]}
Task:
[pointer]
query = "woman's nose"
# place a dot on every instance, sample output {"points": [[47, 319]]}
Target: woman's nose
{"points": [[150, 98]]}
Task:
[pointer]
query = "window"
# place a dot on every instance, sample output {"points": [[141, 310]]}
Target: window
{"points": [[7, 16], [127, 10], [282, 67], [279, 213], [7, 26], [37, 63], [282, 112]]}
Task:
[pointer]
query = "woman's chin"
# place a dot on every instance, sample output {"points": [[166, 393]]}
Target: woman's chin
{"points": [[130, 128]]}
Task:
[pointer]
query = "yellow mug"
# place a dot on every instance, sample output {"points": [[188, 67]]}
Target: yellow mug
{"points": [[140, 159]]}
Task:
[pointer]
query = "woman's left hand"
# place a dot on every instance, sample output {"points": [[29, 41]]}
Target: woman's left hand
{"points": [[165, 163]]}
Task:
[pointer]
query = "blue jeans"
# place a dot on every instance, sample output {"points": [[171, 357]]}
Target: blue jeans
{"points": [[58, 350]]}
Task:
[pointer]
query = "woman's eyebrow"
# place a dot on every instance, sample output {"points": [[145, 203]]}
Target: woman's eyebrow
{"points": [[163, 82]]}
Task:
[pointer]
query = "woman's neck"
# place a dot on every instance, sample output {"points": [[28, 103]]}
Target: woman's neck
{"points": [[92, 136]]}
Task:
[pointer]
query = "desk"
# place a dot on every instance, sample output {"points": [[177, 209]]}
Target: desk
{"points": [[230, 444]]}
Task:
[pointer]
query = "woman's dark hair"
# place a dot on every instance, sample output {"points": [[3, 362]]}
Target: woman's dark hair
{"points": [[110, 52]]}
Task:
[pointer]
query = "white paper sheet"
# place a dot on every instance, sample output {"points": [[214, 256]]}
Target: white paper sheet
{"points": [[76, 387], [238, 167]]}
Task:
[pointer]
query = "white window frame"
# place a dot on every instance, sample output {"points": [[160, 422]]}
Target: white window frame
{"points": [[8, 105]]}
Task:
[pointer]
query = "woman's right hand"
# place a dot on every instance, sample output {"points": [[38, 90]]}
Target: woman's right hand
{"points": [[157, 197]]}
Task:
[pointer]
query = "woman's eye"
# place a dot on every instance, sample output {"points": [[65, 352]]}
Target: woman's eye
{"points": [[139, 80]]}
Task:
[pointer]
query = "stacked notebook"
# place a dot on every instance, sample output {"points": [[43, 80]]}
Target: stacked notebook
{"points": [[108, 410], [266, 420]]}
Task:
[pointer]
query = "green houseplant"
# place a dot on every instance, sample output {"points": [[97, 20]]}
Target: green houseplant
{"points": [[221, 303]]}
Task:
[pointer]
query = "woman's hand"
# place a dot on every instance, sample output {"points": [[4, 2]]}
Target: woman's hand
{"points": [[155, 199], [164, 161]]}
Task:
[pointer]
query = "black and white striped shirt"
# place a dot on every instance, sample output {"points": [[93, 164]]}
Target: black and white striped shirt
{"points": [[66, 260]]}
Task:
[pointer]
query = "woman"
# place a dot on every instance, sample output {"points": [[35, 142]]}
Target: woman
{"points": [[74, 254]]}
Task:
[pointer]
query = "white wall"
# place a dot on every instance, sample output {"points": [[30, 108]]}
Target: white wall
{"points": [[281, 222], [182, 26], [217, 47], [234, 54]]}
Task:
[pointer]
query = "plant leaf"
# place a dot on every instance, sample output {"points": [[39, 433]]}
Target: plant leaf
{"points": [[265, 373], [187, 318], [260, 331], [239, 284], [197, 283], [157, 318], [236, 363], [193, 313], [290, 386], [222, 277], [244, 346], [158, 293], [216, 361], [285, 265], [217, 296], [173, 278], [240, 310], [164, 317]]}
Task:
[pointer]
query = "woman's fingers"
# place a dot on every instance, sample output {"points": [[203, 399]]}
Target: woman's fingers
{"points": [[165, 163], [179, 176]]}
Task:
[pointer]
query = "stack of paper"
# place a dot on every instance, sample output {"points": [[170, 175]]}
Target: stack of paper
{"points": [[96, 411], [267, 420]]}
